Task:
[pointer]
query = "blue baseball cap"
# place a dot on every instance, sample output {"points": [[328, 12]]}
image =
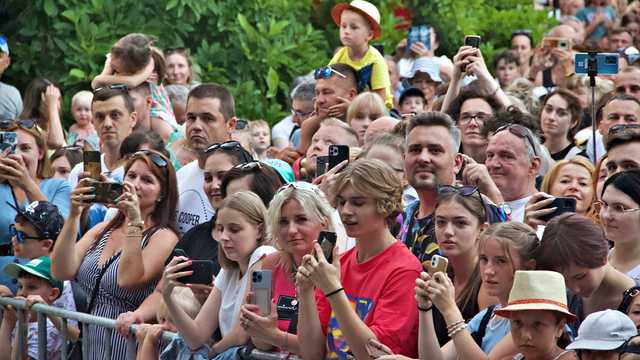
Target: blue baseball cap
{"points": [[4, 46]]}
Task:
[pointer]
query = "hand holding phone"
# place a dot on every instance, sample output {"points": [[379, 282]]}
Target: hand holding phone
{"points": [[92, 164], [327, 241], [261, 288], [437, 264], [337, 154]]}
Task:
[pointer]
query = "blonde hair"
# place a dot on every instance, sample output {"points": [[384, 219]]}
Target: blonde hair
{"points": [[342, 125], [253, 124], [367, 100], [512, 235], [184, 299], [249, 205], [82, 95], [552, 176], [374, 179], [315, 206]]}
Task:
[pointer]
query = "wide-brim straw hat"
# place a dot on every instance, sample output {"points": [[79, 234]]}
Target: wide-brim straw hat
{"points": [[537, 290], [362, 7]]}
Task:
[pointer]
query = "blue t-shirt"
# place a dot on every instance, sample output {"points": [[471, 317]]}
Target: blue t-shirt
{"points": [[497, 328], [57, 192], [586, 15]]}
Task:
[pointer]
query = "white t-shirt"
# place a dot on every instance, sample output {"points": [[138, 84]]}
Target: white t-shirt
{"points": [[282, 129], [117, 175], [517, 208], [233, 289], [599, 147], [193, 205]]}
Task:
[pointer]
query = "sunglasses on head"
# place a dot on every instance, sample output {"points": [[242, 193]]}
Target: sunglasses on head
{"points": [[21, 236], [521, 132], [325, 73], [227, 145], [465, 190], [119, 87], [301, 185], [249, 166], [23, 123], [154, 156]]}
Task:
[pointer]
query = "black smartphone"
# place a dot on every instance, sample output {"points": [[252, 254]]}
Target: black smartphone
{"points": [[472, 40], [92, 164], [107, 192], [562, 205], [327, 241], [8, 140], [547, 79], [459, 173], [174, 253], [337, 154], [322, 165], [202, 273]]}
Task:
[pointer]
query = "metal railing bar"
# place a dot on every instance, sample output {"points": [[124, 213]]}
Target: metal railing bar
{"points": [[42, 340]]}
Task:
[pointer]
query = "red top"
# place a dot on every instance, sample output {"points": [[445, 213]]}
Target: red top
{"points": [[381, 291]]}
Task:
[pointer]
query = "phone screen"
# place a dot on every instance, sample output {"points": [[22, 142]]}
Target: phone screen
{"points": [[92, 165]]}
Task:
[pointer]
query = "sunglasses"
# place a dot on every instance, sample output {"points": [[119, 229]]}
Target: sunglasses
{"points": [[119, 87], [20, 236], [465, 190], [325, 73], [621, 128], [249, 166], [241, 124], [521, 132], [154, 156], [301, 185], [227, 145], [23, 123]]}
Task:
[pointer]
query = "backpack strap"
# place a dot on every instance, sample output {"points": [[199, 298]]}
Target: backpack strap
{"points": [[482, 329]]}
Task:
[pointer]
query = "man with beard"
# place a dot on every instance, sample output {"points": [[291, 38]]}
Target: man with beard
{"points": [[432, 160], [210, 120]]}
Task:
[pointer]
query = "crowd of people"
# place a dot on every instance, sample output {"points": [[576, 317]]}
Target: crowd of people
{"points": [[475, 215]]}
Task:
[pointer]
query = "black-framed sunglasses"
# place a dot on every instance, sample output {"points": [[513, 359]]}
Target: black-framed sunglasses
{"points": [[620, 128], [23, 123], [464, 190], [249, 166], [20, 236], [227, 145], [521, 132], [154, 156], [119, 87], [325, 73]]}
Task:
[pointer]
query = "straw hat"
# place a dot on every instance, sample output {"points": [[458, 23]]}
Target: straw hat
{"points": [[362, 7], [537, 290]]}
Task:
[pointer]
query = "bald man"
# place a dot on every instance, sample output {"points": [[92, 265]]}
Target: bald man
{"points": [[384, 124]]}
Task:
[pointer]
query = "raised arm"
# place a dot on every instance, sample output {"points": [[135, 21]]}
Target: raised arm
{"points": [[51, 101], [311, 339]]}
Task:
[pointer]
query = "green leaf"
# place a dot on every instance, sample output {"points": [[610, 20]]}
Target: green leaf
{"points": [[72, 15], [77, 73], [50, 8], [272, 82], [244, 24], [171, 4]]}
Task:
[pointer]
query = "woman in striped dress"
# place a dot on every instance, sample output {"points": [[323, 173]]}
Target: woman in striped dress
{"points": [[118, 262]]}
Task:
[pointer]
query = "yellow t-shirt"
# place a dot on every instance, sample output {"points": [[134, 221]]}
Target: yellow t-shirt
{"points": [[372, 70]]}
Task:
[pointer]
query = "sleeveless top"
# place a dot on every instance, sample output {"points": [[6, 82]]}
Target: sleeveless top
{"points": [[111, 299]]}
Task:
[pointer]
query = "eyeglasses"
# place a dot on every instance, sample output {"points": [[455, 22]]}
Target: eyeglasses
{"points": [[325, 73], [119, 87], [521, 132], [613, 209], [464, 190], [479, 117], [301, 115], [23, 123], [21, 236]]}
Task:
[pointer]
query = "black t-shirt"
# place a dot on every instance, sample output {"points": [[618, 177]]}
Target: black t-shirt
{"points": [[198, 244]]}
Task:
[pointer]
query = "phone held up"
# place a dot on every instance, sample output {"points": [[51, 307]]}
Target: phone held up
{"points": [[327, 241], [261, 288], [202, 270], [337, 154], [472, 40], [562, 205], [8, 140], [437, 264], [602, 63]]}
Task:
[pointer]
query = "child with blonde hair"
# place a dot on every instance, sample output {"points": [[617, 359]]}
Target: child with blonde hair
{"points": [[359, 23]]}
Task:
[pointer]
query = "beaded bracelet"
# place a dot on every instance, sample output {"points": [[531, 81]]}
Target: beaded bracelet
{"points": [[453, 332]]}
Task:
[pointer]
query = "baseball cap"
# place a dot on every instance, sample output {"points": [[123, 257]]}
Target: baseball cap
{"points": [[284, 169], [427, 65], [44, 216], [604, 330], [411, 91], [4, 46], [40, 267]]}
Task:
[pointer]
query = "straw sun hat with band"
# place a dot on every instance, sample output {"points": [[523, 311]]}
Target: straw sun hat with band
{"points": [[364, 8], [537, 290]]}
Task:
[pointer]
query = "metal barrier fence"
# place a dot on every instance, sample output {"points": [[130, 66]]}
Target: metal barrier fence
{"points": [[86, 320]]}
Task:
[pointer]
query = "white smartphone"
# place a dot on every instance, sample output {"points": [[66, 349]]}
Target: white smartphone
{"points": [[261, 288]]}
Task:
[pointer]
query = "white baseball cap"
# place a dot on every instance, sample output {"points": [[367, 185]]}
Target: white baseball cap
{"points": [[604, 330]]}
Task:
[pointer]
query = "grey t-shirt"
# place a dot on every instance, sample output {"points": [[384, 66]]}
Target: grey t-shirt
{"points": [[10, 102]]}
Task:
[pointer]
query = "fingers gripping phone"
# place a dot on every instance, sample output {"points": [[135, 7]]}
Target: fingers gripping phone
{"points": [[261, 288], [562, 205], [327, 241], [107, 192], [437, 264], [472, 40]]}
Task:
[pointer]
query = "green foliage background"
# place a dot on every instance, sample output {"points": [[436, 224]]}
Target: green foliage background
{"points": [[256, 47]]}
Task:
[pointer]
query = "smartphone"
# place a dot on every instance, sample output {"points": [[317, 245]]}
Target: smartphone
{"points": [[419, 33], [547, 79], [107, 192], [337, 154], [92, 164], [556, 42], [459, 173], [322, 165], [327, 241], [562, 205], [8, 140], [261, 288], [202, 273], [472, 40], [437, 264], [605, 63], [174, 253]]}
